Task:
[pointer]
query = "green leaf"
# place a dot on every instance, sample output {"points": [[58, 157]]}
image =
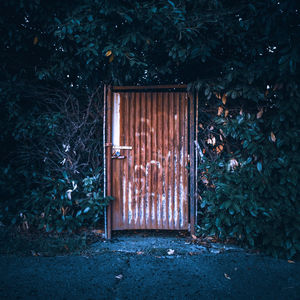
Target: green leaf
{"points": [[231, 211], [259, 166], [65, 175], [171, 3], [86, 210]]}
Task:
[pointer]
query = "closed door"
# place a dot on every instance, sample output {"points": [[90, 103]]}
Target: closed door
{"points": [[149, 160]]}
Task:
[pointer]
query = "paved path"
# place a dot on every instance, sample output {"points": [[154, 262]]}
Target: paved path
{"points": [[141, 268]]}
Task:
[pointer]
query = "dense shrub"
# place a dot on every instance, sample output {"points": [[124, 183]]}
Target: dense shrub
{"points": [[248, 50], [59, 161], [250, 173]]}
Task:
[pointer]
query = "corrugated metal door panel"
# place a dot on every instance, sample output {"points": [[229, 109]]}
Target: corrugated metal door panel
{"points": [[150, 185]]}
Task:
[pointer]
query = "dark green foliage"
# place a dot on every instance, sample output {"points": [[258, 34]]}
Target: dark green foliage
{"points": [[58, 163], [252, 193], [53, 208], [255, 200], [248, 50]]}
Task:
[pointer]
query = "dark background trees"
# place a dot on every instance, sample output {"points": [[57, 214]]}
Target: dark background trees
{"points": [[241, 56]]}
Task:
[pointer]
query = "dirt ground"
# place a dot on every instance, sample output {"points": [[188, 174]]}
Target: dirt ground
{"points": [[150, 267]]}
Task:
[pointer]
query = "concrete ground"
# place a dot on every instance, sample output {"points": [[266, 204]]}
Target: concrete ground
{"points": [[137, 267]]}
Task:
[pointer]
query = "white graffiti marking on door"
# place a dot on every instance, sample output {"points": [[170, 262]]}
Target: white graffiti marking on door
{"points": [[149, 182], [144, 190]]}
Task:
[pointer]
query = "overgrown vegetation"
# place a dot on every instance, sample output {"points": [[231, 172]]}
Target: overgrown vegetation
{"points": [[60, 160], [241, 56], [249, 174]]}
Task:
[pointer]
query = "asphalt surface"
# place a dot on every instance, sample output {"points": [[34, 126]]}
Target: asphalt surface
{"points": [[109, 270]]}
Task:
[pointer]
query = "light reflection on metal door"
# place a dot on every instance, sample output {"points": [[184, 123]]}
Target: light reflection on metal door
{"points": [[149, 159]]}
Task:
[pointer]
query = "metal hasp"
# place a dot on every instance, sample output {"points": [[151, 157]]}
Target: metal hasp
{"points": [[150, 158]]}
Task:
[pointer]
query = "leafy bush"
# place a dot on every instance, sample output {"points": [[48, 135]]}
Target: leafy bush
{"points": [[62, 204], [250, 179], [249, 50], [58, 165]]}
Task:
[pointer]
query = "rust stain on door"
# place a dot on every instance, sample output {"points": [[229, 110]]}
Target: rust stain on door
{"points": [[149, 159]]}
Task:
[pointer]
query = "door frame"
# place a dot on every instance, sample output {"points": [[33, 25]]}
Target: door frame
{"points": [[107, 145]]}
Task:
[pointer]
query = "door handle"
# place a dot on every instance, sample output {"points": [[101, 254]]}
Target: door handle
{"points": [[116, 153], [122, 147]]}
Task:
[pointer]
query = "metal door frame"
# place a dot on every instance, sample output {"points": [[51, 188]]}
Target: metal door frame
{"points": [[107, 145]]}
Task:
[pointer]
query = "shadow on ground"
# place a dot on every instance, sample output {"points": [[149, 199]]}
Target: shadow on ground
{"points": [[150, 267]]}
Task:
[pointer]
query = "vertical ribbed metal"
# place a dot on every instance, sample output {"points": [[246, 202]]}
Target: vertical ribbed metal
{"points": [[150, 185]]}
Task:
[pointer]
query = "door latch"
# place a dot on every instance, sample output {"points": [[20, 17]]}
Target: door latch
{"points": [[122, 147], [117, 155]]}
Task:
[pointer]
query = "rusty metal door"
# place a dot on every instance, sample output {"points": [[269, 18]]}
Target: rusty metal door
{"points": [[149, 157]]}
